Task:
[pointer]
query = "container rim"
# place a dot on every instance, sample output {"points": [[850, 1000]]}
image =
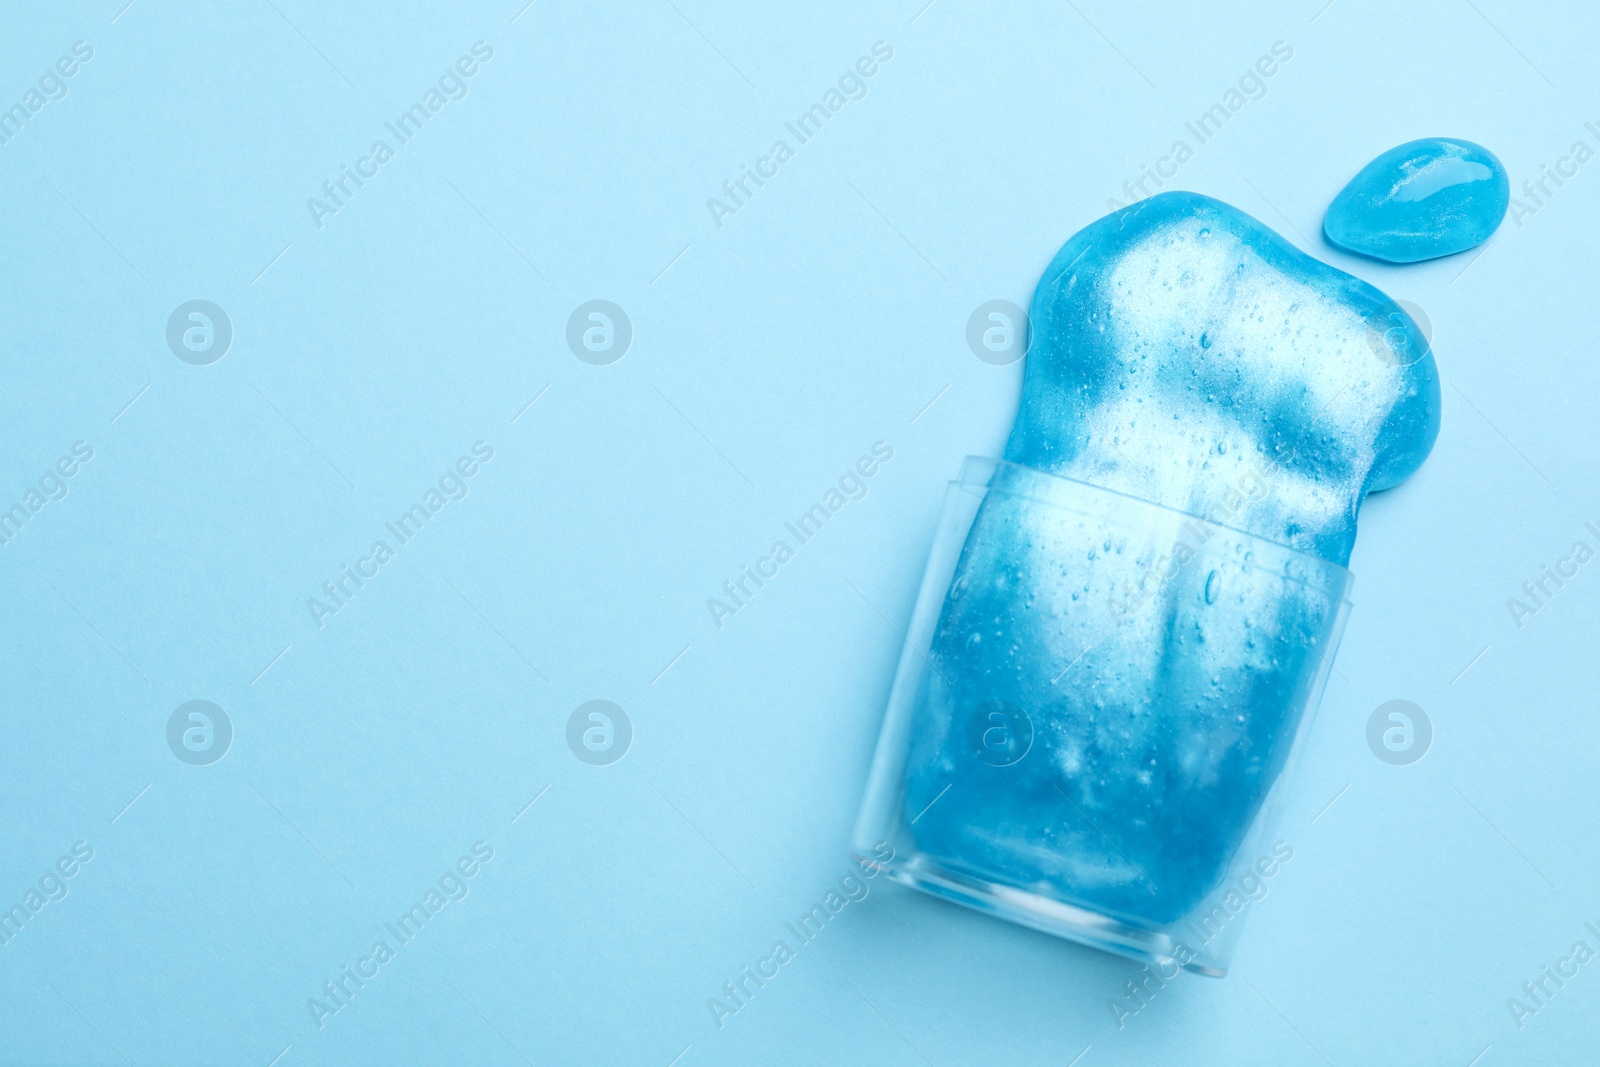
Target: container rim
{"points": [[986, 474]]}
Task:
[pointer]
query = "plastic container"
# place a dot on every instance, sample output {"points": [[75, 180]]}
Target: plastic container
{"points": [[1094, 715]]}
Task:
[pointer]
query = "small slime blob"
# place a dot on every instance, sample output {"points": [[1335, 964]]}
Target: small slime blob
{"points": [[1421, 200], [1106, 711]]}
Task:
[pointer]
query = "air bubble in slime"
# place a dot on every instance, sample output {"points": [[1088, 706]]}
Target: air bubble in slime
{"points": [[1126, 623]]}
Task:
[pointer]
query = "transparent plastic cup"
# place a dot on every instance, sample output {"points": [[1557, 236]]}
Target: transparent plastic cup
{"points": [[1095, 713]]}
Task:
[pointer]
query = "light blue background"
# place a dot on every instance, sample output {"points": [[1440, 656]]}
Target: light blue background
{"points": [[768, 354]]}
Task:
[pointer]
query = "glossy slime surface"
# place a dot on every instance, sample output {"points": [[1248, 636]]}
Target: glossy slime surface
{"points": [[1421, 200], [1186, 355]]}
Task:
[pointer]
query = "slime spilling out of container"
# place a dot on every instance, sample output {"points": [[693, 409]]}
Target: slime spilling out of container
{"points": [[1126, 623], [1421, 200]]}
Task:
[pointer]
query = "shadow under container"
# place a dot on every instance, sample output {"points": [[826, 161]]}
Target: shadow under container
{"points": [[1094, 713]]}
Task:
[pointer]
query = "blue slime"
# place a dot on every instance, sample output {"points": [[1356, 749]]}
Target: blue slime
{"points": [[1185, 355], [1421, 200]]}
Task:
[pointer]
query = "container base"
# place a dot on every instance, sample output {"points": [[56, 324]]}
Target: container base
{"points": [[1043, 914]]}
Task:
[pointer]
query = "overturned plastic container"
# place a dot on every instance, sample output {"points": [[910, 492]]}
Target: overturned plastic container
{"points": [[1095, 712]]}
